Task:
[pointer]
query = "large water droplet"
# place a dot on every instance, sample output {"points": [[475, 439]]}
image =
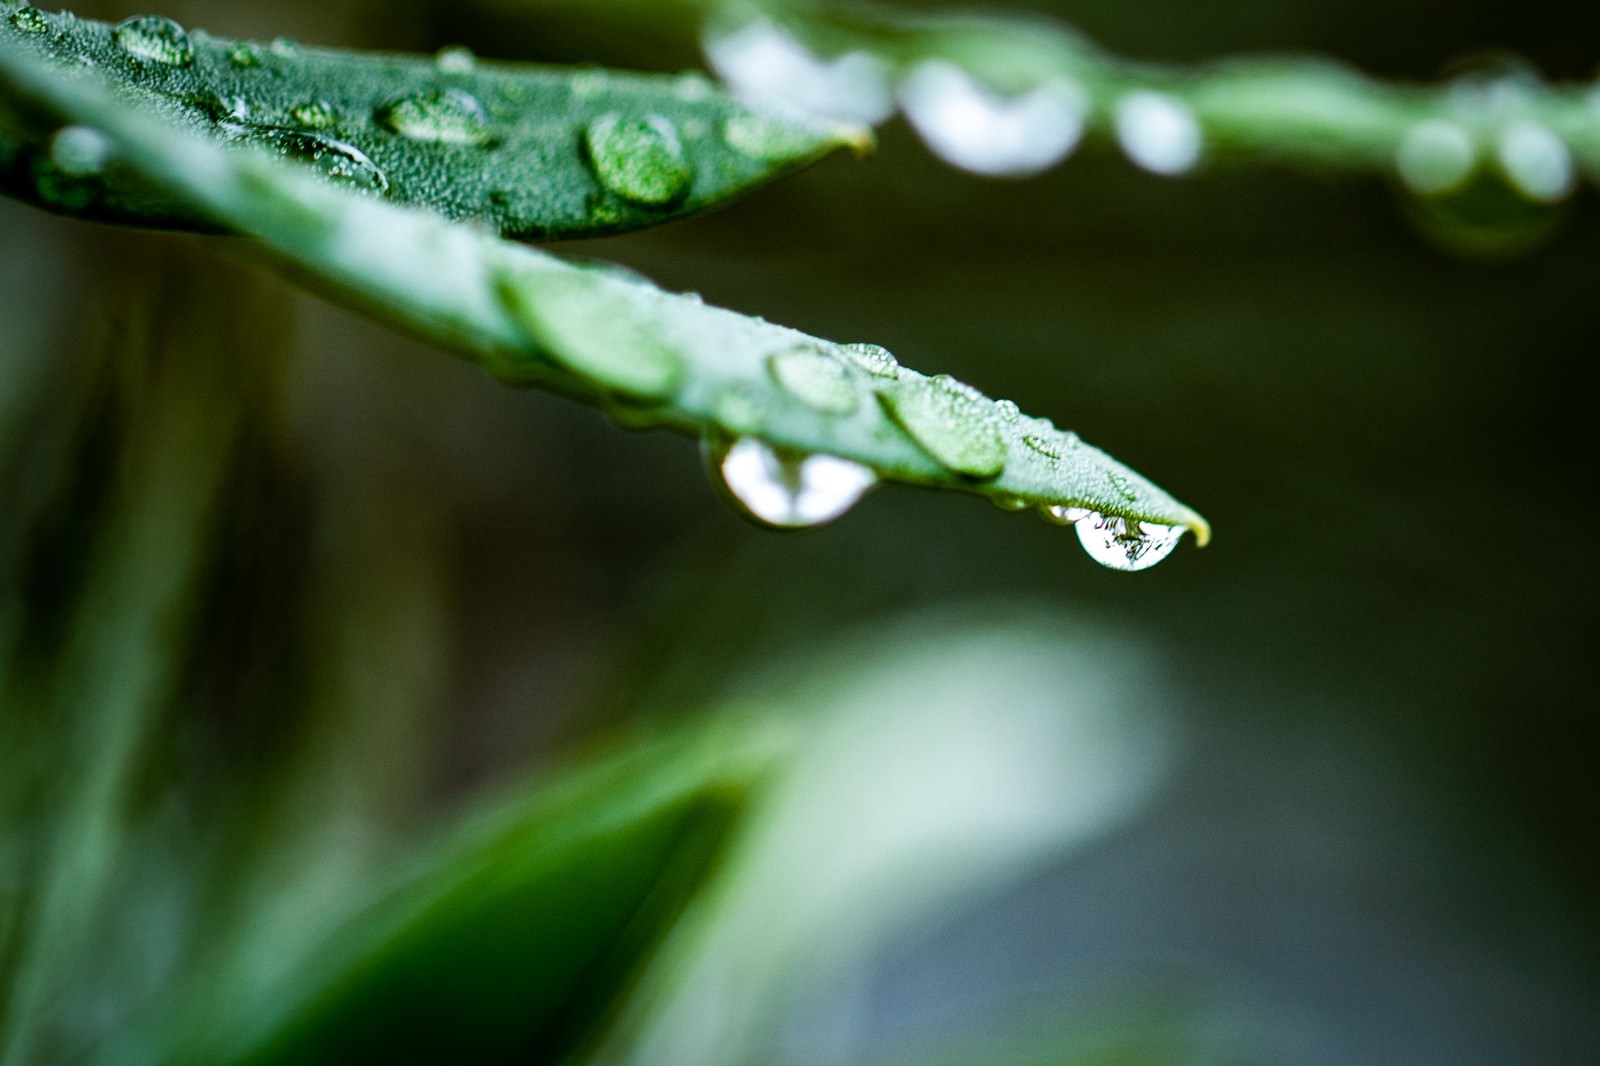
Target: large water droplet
{"points": [[954, 423], [1536, 161], [314, 114], [80, 151], [30, 19], [1125, 543], [976, 129], [815, 378], [790, 490], [333, 159], [1158, 132], [769, 69], [872, 358], [438, 116], [1436, 156], [154, 39], [639, 159]]}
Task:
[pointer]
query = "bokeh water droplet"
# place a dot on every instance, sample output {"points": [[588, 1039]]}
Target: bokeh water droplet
{"points": [[874, 359], [1158, 132], [314, 114], [790, 490], [768, 68], [1125, 543], [30, 19], [244, 55], [154, 39], [641, 159], [333, 159], [455, 59], [815, 378], [438, 116], [80, 151], [1436, 156], [954, 423], [971, 126], [1536, 161]]}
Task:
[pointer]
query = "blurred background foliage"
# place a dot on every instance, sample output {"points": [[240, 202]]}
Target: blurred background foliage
{"points": [[300, 621]]}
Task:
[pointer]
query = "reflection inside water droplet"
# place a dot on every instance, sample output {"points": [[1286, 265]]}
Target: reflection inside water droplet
{"points": [[154, 39], [972, 127], [790, 490], [314, 114], [30, 19], [333, 159], [1158, 132], [79, 151], [639, 159], [1125, 543], [438, 116]]}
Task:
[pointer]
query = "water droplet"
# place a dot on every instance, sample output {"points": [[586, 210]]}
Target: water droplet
{"points": [[971, 126], [438, 116], [314, 114], [766, 67], [1536, 161], [455, 59], [1126, 543], [1009, 503], [873, 359], [739, 409], [154, 39], [1042, 446], [1158, 132], [790, 490], [79, 151], [285, 47], [333, 159], [815, 378], [1436, 156], [1061, 514], [244, 55], [1008, 410], [639, 159], [768, 140], [954, 423], [30, 19], [222, 109], [579, 321]]}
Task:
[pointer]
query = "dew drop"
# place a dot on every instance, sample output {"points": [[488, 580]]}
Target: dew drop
{"points": [[1009, 503], [80, 151], [953, 422], [639, 159], [333, 159], [874, 359], [314, 114], [1061, 514], [974, 128], [455, 59], [1435, 156], [766, 67], [1126, 543], [790, 490], [438, 116], [815, 378], [154, 39], [244, 55], [1536, 161], [30, 19], [1158, 132], [768, 140], [285, 47]]}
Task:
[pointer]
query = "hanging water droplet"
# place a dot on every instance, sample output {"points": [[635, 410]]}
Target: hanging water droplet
{"points": [[639, 159], [80, 151], [438, 116], [30, 19], [788, 489], [314, 114], [767, 68], [244, 55], [154, 39], [455, 59], [1436, 156], [872, 358], [971, 126], [1537, 162], [1158, 132], [333, 159], [1061, 514], [815, 378], [1126, 543], [954, 423]]}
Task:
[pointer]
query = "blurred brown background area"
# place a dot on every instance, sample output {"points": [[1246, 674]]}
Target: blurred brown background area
{"points": [[1379, 843]]}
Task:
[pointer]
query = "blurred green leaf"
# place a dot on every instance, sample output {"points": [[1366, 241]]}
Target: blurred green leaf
{"points": [[527, 151]]}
